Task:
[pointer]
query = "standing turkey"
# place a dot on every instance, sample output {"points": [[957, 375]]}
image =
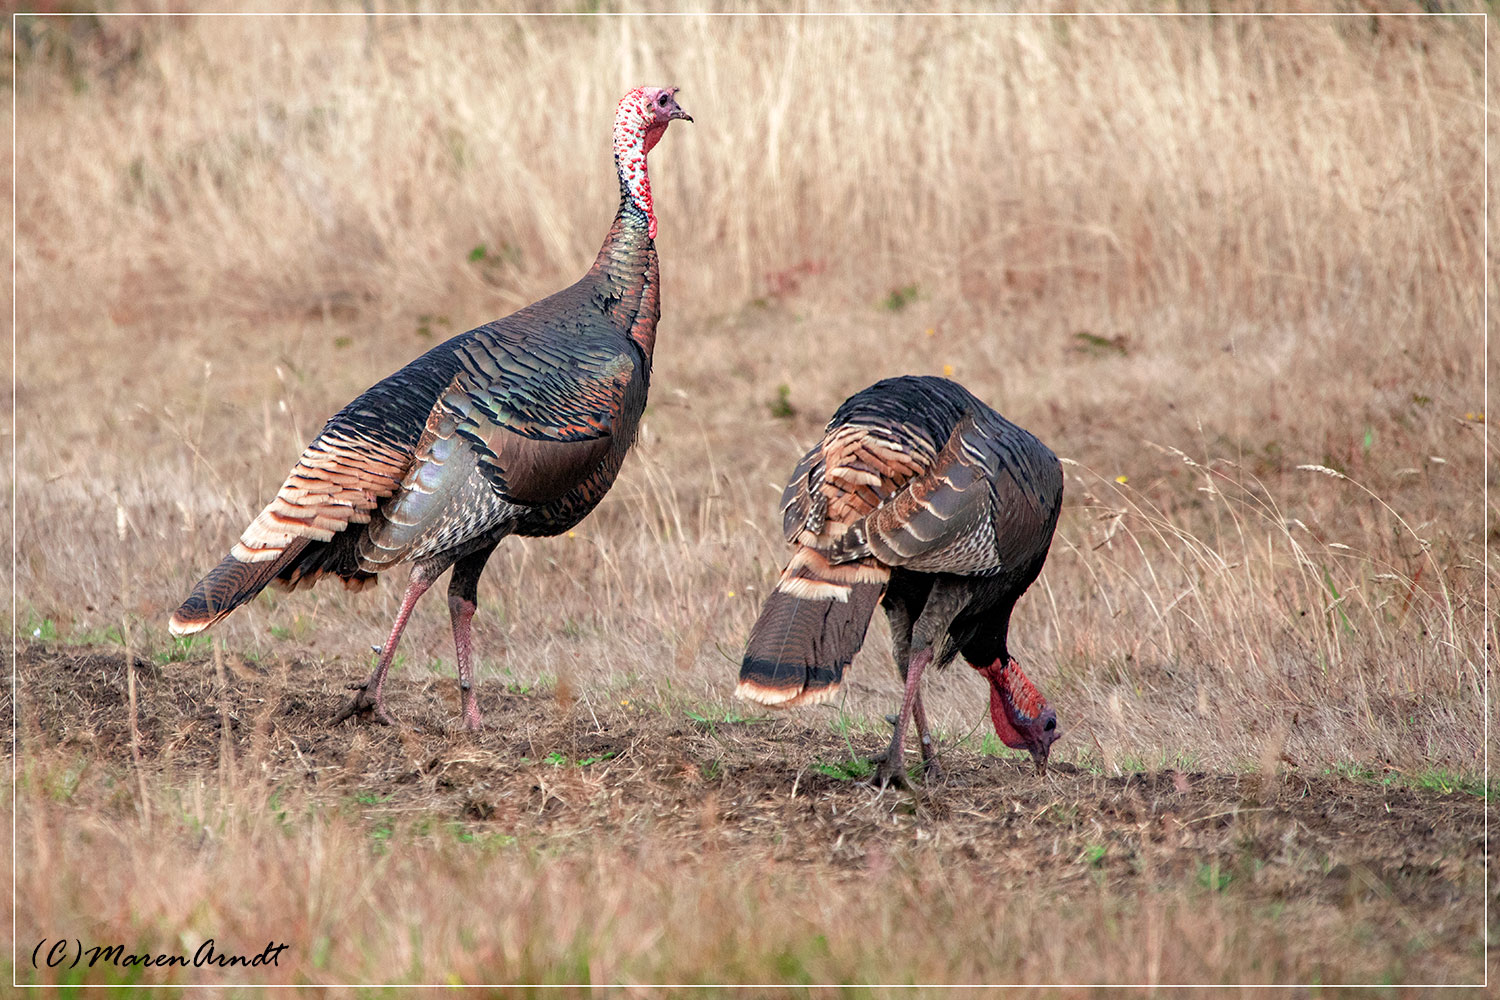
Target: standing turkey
{"points": [[516, 427], [925, 500]]}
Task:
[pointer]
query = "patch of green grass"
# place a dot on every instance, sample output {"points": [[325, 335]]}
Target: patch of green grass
{"points": [[98, 636], [1092, 343], [183, 648], [900, 298], [710, 720], [516, 685], [483, 841], [380, 835], [1094, 854], [559, 759], [1432, 780], [991, 745], [1212, 877], [597, 758], [781, 407], [61, 784], [1446, 781], [856, 769], [44, 629]]}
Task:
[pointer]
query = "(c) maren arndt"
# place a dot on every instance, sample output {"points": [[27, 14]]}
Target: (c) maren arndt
{"points": [[921, 498], [516, 427]]}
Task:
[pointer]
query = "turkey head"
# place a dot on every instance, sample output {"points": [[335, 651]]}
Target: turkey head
{"points": [[1023, 719]]}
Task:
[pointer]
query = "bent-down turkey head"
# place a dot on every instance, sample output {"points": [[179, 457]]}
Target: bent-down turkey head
{"points": [[1023, 719]]}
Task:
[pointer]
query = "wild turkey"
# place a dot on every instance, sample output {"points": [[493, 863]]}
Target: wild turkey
{"points": [[923, 499], [516, 427]]}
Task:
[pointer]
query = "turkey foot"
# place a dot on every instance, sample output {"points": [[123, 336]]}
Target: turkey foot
{"points": [[472, 719], [890, 769], [931, 770], [366, 702], [892, 766]]}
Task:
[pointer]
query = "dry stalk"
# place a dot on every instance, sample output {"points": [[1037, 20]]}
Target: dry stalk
{"points": [[121, 524]]}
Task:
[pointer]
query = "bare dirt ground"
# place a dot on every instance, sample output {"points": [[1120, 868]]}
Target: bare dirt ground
{"points": [[553, 769]]}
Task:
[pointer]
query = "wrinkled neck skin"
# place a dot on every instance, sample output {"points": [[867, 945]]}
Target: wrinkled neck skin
{"points": [[636, 132], [999, 714], [1015, 702]]}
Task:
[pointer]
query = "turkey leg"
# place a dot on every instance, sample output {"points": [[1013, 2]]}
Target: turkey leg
{"points": [[901, 646], [943, 604], [892, 764], [369, 699], [463, 599]]}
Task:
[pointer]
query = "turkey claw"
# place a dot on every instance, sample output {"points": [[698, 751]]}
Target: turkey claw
{"points": [[364, 704], [888, 773]]}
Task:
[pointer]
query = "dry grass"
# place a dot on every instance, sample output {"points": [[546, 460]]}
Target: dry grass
{"points": [[708, 849], [1195, 256]]}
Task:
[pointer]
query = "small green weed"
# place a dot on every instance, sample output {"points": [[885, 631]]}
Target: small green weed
{"points": [[900, 298], [184, 647], [1092, 343], [781, 407], [1212, 877], [559, 759], [45, 630], [847, 770], [1338, 601], [710, 721]]}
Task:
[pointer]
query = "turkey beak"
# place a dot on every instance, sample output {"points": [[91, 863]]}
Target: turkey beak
{"points": [[1039, 758], [676, 111]]}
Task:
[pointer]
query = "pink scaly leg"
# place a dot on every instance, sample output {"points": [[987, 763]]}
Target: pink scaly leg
{"points": [[930, 766], [892, 763], [369, 697], [463, 599], [462, 612]]}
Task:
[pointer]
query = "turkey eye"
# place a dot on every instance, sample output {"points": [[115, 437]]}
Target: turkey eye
{"points": [[1051, 725], [661, 101]]}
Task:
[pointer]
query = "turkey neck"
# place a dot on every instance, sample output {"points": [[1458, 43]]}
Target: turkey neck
{"points": [[627, 262], [625, 272]]}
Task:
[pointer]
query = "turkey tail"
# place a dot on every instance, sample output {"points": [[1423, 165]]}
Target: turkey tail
{"points": [[226, 587], [810, 628]]}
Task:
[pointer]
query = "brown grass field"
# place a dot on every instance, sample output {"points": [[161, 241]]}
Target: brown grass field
{"points": [[1231, 269]]}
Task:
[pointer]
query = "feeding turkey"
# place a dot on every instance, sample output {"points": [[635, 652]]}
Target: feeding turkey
{"points": [[922, 499], [517, 427]]}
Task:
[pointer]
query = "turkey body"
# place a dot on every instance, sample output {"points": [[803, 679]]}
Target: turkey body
{"points": [[519, 426], [925, 500]]}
